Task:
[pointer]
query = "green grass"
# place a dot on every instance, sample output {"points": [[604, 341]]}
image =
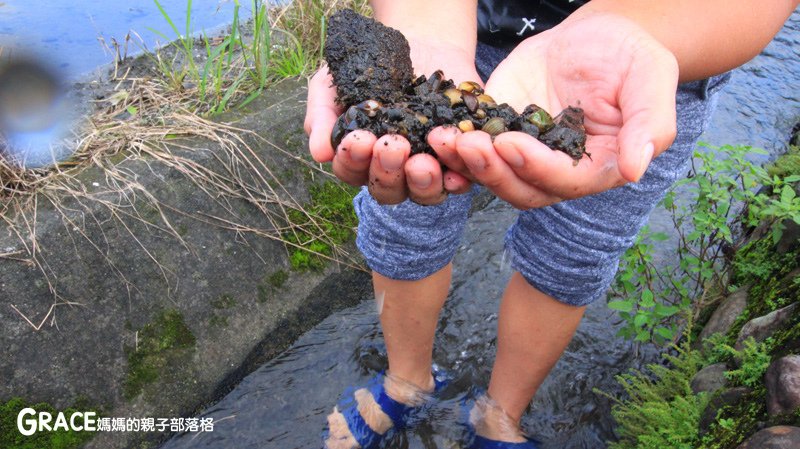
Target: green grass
{"points": [[158, 343], [273, 44], [326, 221], [11, 438]]}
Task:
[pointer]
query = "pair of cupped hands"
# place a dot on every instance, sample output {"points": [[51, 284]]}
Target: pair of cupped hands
{"points": [[623, 78]]}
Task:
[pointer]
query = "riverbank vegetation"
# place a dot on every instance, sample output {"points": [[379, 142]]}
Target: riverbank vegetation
{"points": [[737, 234]]}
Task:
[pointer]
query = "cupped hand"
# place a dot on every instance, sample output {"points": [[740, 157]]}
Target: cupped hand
{"points": [[384, 163], [624, 80]]}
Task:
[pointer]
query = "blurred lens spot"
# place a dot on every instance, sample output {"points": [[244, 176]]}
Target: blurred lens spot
{"points": [[33, 114], [28, 97]]}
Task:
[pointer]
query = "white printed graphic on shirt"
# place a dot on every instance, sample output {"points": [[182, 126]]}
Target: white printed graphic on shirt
{"points": [[528, 24]]}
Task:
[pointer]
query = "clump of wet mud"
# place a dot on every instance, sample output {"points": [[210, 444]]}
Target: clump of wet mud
{"points": [[371, 68]]}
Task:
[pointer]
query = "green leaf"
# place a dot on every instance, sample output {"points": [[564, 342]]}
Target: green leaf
{"points": [[659, 237], [665, 311], [787, 194], [640, 319], [623, 306], [642, 336], [664, 332], [132, 110], [790, 179], [647, 298]]}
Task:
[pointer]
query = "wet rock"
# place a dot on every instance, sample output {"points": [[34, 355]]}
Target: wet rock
{"points": [[763, 327], [726, 313], [726, 397], [777, 437], [783, 385], [790, 239], [710, 378]]}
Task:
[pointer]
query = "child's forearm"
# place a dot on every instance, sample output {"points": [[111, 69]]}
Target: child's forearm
{"points": [[451, 21], [707, 37]]}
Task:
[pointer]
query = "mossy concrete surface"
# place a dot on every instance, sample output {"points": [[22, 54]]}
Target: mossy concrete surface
{"points": [[163, 327]]}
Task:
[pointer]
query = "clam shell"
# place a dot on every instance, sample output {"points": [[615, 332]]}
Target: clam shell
{"points": [[495, 126]]}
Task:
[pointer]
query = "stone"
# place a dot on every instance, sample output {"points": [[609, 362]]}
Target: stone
{"points": [[710, 378], [783, 385], [763, 327], [777, 437], [726, 313], [790, 239], [725, 397]]}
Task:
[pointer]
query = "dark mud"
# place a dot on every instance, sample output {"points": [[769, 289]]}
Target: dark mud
{"points": [[371, 68]]}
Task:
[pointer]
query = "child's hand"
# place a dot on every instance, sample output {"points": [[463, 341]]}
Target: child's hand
{"points": [[384, 164], [623, 79]]}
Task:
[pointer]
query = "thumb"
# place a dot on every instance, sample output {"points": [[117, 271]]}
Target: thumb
{"points": [[321, 115], [647, 103]]}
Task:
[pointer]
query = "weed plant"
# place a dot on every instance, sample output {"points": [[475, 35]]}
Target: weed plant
{"points": [[724, 188]]}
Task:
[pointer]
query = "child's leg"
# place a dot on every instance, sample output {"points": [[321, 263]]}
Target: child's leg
{"points": [[533, 331], [409, 312], [409, 248], [409, 316], [566, 256]]}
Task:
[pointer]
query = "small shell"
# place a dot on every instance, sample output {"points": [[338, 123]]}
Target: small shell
{"points": [[471, 86], [495, 126], [370, 107], [421, 118], [485, 100], [351, 114], [454, 95], [540, 118], [470, 100], [466, 125], [480, 114], [435, 80]]}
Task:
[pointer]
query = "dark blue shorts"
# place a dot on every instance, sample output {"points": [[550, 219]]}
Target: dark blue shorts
{"points": [[569, 250]]}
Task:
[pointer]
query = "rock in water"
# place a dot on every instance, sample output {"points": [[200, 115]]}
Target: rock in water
{"points": [[367, 59]]}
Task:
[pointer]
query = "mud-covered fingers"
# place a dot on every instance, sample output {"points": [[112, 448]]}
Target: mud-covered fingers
{"points": [[353, 157], [443, 141], [321, 115], [557, 173], [478, 153], [456, 183], [424, 176], [387, 178]]}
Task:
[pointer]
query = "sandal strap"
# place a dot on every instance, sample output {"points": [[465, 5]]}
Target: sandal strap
{"points": [[396, 411], [361, 431]]}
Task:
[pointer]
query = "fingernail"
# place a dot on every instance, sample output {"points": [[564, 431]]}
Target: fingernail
{"points": [[421, 179], [359, 156], [476, 162], [391, 159], [513, 156], [647, 156]]}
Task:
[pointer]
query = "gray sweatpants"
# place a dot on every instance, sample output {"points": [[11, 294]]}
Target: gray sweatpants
{"points": [[569, 250]]}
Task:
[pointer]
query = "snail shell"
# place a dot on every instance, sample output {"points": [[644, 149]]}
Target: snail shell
{"points": [[470, 86], [370, 107], [454, 95], [495, 126], [466, 125]]}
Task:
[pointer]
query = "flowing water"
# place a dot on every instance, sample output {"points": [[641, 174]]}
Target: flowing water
{"points": [[283, 404]]}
